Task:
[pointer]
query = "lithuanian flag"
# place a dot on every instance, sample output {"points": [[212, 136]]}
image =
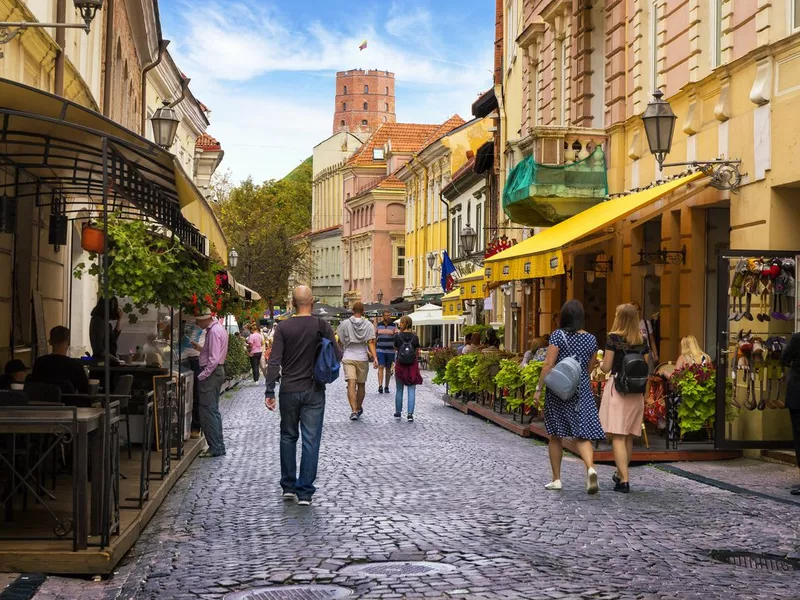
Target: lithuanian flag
{"points": [[363, 45]]}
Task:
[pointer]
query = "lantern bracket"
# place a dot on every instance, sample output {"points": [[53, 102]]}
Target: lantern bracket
{"points": [[724, 173]]}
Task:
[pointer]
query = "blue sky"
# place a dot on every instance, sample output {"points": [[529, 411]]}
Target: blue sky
{"points": [[266, 68]]}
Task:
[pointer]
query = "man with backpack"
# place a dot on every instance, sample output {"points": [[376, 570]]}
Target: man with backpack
{"points": [[304, 357]]}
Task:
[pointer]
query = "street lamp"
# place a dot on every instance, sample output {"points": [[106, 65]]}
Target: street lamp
{"points": [[88, 9], [233, 258], [468, 238], [165, 125], [380, 296], [659, 127], [431, 259]]}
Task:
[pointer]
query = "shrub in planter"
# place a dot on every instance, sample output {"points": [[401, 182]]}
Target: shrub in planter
{"points": [[457, 374], [696, 385], [486, 369], [510, 378], [530, 377], [237, 362], [438, 361], [470, 329]]}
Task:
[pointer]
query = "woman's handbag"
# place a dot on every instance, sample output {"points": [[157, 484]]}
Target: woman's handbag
{"points": [[564, 378]]}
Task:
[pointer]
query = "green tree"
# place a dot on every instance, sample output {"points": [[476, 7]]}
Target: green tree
{"points": [[262, 222]]}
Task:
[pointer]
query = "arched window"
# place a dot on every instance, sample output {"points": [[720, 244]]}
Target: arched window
{"points": [[387, 90], [366, 89], [384, 119], [341, 123], [345, 90], [366, 106], [344, 106], [386, 106]]}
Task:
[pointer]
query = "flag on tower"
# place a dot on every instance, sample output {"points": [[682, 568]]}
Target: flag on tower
{"points": [[363, 45], [448, 268]]}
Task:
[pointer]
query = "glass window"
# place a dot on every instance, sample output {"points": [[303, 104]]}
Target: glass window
{"points": [[455, 237], [479, 227], [400, 262], [795, 14], [366, 89]]}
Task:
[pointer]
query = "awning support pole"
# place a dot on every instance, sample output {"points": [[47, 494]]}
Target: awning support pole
{"points": [[107, 344]]}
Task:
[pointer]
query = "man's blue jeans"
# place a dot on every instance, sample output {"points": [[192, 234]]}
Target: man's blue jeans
{"points": [[301, 412], [398, 397]]}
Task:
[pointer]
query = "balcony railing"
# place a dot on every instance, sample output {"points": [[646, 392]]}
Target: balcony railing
{"points": [[562, 145]]}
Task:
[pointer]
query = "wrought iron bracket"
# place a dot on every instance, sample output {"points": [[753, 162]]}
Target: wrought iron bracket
{"points": [[724, 173], [11, 29]]}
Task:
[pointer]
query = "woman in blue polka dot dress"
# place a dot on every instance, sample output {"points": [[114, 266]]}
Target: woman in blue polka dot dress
{"points": [[577, 417]]}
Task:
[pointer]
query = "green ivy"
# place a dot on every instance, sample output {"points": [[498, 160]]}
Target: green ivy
{"points": [[457, 374], [149, 268], [531, 374], [483, 373]]}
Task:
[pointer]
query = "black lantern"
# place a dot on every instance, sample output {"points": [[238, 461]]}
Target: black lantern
{"points": [[468, 239], [57, 231], [659, 125], [233, 258], [165, 125], [88, 10], [8, 214], [380, 296]]}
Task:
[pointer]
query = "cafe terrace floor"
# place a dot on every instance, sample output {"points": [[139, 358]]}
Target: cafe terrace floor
{"points": [[30, 555]]}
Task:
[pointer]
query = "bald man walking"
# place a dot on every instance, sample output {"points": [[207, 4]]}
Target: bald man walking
{"points": [[302, 399]]}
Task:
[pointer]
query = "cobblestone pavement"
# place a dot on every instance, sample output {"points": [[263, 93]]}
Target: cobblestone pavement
{"points": [[447, 488]]}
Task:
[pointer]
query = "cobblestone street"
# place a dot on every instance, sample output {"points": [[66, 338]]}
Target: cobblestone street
{"points": [[448, 488]]}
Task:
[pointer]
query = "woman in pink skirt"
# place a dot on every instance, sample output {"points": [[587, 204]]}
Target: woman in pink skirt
{"points": [[621, 414]]}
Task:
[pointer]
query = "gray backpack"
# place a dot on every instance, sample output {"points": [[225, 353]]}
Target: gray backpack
{"points": [[564, 378]]}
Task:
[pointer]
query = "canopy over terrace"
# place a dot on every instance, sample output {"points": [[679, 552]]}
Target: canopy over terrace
{"points": [[59, 147], [542, 255]]}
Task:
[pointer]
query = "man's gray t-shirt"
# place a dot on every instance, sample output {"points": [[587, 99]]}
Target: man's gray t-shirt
{"points": [[294, 349]]}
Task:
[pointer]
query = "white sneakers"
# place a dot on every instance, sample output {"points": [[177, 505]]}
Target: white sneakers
{"points": [[591, 481]]}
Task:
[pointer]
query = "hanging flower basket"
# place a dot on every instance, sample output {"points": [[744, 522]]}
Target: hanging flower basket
{"points": [[92, 239]]}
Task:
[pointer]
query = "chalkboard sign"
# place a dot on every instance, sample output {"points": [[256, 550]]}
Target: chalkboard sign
{"points": [[41, 330]]}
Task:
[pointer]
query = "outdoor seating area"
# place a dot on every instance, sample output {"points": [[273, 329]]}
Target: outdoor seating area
{"points": [[76, 492]]}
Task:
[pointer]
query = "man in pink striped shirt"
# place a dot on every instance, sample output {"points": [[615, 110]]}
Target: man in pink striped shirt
{"points": [[210, 380]]}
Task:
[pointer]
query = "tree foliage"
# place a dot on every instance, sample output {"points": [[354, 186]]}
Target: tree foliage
{"points": [[260, 221]]}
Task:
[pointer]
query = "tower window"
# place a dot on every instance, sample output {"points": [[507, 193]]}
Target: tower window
{"points": [[341, 123], [345, 90], [366, 89], [344, 105], [366, 106], [387, 90], [386, 106], [384, 119], [364, 122]]}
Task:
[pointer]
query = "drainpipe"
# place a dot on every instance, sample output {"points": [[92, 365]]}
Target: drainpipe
{"points": [[162, 47], [108, 58], [61, 42], [185, 81]]}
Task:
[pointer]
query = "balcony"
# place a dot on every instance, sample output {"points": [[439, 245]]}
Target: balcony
{"points": [[563, 174]]}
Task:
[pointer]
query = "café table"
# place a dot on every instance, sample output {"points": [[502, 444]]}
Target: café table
{"points": [[87, 428]]}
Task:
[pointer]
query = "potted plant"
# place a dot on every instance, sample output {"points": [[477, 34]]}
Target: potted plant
{"points": [[531, 374], [92, 238], [509, 378], [438, 361], [696, 386]]}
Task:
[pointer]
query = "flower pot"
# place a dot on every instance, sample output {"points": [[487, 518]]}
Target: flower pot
{"points": [[92, 239]]}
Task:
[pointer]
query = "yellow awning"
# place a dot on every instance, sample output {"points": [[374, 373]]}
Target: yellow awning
{"points": [[451, 303], [474, 276], [542, 254], [198, 212]]}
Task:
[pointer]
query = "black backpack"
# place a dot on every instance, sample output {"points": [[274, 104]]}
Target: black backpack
{"points": [[632, 378], [406, 353]]}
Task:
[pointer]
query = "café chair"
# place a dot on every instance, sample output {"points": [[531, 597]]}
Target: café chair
{"points": [[43, 394], [123, 390], [13, 398]]}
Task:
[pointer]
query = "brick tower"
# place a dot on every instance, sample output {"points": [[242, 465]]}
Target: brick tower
{"points": [[364, 100]]}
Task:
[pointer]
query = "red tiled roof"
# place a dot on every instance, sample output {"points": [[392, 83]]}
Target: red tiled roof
{"points": [[325, 230], [391, 183], [453, 122], [206, 142], [405, 137]]}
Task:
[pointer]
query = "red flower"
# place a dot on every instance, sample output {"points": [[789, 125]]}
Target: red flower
{"points": [[219, 304], [194, 299]]}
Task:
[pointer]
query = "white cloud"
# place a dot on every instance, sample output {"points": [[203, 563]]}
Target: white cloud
{"points": [[232, 49]]}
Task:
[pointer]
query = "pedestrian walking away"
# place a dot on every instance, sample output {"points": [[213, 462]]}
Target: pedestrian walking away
{"points": [[791, 359], [255, 347], [577, 416], [357, 338], [210, 380], [622, 406], [190, 356], [406, 372], [301, 398], [384, 342]]}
